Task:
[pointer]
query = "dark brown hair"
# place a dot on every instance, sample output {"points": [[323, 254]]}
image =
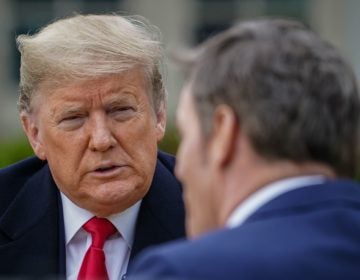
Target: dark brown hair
{"points": [[292, 92]]}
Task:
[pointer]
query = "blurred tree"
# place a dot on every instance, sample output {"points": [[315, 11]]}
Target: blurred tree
{"points": [[14, 150]]}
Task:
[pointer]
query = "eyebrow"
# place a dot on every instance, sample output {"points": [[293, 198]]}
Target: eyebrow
{"points": [[70, 109], [119, 100], [118, 96], [66, 110], [122, 89]]}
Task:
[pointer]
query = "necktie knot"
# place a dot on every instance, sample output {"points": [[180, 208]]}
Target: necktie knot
{"points": [[100, 229]]}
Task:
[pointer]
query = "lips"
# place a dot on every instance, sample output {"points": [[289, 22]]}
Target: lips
{"points": [[106, 168]]}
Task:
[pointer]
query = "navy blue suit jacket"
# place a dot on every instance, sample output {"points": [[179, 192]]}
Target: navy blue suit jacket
{"points": [[31, 221], [308, 233]]}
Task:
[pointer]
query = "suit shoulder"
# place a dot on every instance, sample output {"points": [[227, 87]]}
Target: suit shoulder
{"points": [[23, 168], [181, 259], [13, 177], [167, 160], [231, 253]]}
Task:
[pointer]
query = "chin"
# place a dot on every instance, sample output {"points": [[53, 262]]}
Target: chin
{"points": [[191, 231], [107, 206], [113, 197]]}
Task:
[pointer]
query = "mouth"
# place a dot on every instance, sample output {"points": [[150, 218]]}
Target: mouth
{"points": [[106, 168], [108, 171]]}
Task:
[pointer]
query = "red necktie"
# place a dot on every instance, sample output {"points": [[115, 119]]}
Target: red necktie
{"points": [[93, 265]]}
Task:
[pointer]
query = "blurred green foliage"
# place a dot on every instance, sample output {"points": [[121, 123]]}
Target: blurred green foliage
{"points": [[14, 150], [171, 140], [19, 148]]}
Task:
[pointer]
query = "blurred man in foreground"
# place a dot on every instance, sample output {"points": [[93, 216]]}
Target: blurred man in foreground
{"points": [[92, 104], [270, 121]]}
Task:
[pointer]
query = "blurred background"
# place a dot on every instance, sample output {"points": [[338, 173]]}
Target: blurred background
{"points": [[182, 23]]}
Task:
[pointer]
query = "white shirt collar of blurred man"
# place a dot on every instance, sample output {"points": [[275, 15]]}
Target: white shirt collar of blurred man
{"points": [[258, 199]]}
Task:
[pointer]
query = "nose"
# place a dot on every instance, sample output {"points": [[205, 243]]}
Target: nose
{"points": [[101, 135]]}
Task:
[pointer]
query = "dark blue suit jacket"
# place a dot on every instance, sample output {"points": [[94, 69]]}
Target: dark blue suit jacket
{"points": [[31, 222], [308, 233]]}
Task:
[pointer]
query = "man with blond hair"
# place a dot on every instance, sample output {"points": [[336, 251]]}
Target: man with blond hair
{"points": [[93, 106], [270, 132]]}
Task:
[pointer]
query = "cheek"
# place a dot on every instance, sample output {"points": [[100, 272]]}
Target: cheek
{"points": [[188, 160], [142, 130], [65, 153], [59, 143], [65, 168], [66, 156], [191, 171], [198, 210], [138, 143]]}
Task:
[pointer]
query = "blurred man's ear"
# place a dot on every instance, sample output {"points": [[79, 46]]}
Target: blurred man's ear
{"points": [[161, 122], [32, 132], [223, 136]]}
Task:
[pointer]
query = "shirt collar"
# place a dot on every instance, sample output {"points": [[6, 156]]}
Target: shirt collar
{"points": [[251, 204], [75, 217]]}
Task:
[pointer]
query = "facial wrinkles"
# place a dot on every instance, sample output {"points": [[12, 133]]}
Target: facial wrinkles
{"points": [[133, 132], [102, 125], [69, 107], [94, 109], [125, 95]]}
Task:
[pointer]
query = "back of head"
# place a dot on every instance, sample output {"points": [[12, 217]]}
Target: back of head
{"points": [[89, 46], [292, 92]]}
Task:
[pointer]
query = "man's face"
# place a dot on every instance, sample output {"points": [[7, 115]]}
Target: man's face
{"points": [[193, 168], [100, 140]]}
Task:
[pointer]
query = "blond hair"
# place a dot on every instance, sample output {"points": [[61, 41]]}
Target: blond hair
{"points": [[86, 46]]}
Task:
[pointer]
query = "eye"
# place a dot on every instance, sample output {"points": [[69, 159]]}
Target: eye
{"points": [[71, 121], [70, 118], [122, 112], [122, 109]]}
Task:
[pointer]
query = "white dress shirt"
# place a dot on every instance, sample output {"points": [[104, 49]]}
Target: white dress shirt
{"points": [[251, 204], [117, 248]]}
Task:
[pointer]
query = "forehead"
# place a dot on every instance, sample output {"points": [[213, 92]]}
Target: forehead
{"points": [[111, 86]]}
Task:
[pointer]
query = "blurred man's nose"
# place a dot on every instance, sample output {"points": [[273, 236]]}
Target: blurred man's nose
{"points": [[101, 135]]}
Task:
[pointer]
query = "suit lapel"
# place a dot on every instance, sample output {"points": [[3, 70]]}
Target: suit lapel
{"points": [[31, 224], [161, 213]]}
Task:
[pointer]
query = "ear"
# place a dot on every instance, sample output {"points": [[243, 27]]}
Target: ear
{"points": [[223, 136], [32, 132], [160, 123]]}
